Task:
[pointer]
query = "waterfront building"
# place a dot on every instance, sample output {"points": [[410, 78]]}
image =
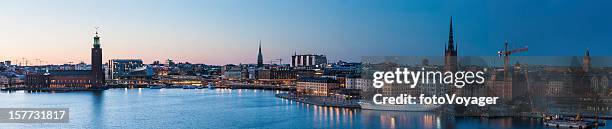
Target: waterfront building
{"points": [[75, 79], [72, 79], [4, 81], [501, 86], [520, 86], [282, 73], [214, 71], [308, 60], [182, 80], [232, 73], [251, 73], [342, 70], [358, 83], [600, 84], [10, 79], [97, 72], [277, 76], [129, 69], [277, 73], [181, 68], [308, 72], [7, 63], [316, 86], [160, 71], [351, 82]]}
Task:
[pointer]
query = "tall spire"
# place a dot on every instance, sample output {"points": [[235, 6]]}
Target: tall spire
{"points": [[450, 53], [586, 61], [259, 56], [587, 52], [451, 42]]}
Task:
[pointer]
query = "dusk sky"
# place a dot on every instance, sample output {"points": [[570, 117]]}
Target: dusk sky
{"points": [[228, 31]]}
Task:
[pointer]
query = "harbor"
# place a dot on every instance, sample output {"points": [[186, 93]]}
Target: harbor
{"points": [[115, 108]]}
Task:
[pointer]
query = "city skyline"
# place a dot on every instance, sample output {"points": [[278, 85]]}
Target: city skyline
{"points": [[215, 32]]}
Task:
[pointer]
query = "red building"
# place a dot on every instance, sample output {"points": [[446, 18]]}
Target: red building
{"points": [[72, 79]]}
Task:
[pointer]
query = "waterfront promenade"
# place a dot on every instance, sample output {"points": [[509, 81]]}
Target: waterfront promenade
{"points": [[320, 100], [263, 87]]}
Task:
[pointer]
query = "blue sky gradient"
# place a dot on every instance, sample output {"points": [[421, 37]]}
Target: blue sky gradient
{"points": [[228, 31]]}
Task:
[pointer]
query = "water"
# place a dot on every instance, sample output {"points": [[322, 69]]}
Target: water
{"points": [[224, 108]]}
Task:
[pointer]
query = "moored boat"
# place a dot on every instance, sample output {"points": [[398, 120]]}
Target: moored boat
{"points": [[189, 87], [155, 86], [403, 107], [568, 124]]}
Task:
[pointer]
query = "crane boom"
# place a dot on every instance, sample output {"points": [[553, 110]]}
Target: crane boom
{"points": [[507, 90]]}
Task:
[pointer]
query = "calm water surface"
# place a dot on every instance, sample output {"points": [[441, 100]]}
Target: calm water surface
{"points": [[224, 108]]}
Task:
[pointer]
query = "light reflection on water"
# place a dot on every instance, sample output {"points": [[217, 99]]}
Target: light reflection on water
{"points": [[241, 108], [333, 117]]}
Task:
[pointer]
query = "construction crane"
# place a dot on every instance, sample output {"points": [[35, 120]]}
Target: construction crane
{"points": [[39, 61], [280, 61], [506, 54], [23, 59]]}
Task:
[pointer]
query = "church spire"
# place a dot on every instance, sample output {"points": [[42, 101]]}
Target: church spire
{"points": [[451, 42], [587, 53], [259, 56], [451, 48], [450, 53], [586, 61]]}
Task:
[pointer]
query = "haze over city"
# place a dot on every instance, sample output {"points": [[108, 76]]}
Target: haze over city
{"points": [[223, 32]]}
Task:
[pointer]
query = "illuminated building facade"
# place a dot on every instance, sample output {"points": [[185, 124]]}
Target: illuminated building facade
{"points": [[316, 86]]}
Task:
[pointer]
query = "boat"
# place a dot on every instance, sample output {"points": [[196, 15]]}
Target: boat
{"points": [[189, 87], [572, 122], [403, 107], [568, 124], [210, 85], [155, 86]]}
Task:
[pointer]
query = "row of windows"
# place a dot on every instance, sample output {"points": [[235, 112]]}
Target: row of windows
{"points": [[70, 81], [69, 85]]}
